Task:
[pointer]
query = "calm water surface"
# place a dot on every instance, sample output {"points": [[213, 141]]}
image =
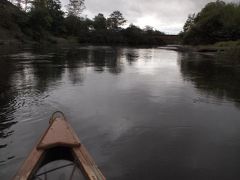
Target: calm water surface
{"points": [[142, 113]]}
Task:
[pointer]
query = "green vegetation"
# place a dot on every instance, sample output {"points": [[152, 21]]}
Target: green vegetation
{"points": [[217, 22], [12, 22], [44, 20], [228, 44]]}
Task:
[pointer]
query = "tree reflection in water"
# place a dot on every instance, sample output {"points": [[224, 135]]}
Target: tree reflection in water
{"points": [[7, 94], [214, 75], [35, 70]]}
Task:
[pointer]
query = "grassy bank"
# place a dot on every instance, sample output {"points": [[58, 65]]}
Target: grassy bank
{"points": [[225, 46], [219, 47]]}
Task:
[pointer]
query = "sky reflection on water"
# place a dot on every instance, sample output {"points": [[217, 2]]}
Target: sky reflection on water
{"points": [[142, 113]]}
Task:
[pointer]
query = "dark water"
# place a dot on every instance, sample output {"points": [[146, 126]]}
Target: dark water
{"points": [[142, 113]]}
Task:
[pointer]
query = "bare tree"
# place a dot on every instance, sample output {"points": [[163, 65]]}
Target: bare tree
{"points": [[75, 7]]}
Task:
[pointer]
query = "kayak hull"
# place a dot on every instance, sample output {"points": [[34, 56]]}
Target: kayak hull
{"points": [[59, 142]]}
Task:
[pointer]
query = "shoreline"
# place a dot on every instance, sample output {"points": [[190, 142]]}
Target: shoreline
{"points": [[200, 48]]}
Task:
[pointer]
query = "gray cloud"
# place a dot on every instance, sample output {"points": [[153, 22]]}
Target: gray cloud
{"points": [[165, 15]]}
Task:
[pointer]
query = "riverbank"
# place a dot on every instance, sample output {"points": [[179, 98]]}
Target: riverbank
{"points": [[214, 48]]}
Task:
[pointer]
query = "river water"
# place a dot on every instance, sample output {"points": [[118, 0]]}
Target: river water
{"points": [[143, 113]]}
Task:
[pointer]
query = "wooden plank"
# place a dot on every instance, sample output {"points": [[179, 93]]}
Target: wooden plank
{"points": [[86, 161], [87, 164], [30, 165], [59, 133]]}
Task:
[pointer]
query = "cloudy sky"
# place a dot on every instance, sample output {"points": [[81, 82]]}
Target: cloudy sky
{"points": [[168, 16]]}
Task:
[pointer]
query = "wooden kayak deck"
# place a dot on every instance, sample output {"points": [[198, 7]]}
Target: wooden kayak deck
{"points": [[59, 142]]}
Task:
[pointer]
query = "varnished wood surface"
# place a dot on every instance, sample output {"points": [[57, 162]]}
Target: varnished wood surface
{"points": [[58, 134]]}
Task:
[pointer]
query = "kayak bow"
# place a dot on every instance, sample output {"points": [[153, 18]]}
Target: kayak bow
{"points": [[59, 142]]}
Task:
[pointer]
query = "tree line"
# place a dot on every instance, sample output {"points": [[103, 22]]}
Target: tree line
{"points": [[46, 17], [217, 21]]}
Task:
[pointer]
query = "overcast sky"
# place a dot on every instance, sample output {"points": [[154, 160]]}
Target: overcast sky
{"points": [[168, 16]]}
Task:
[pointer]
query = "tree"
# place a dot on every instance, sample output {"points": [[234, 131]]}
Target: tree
{"points": [[18, 3], [46, 15], [148, 28], [217, 21], [99, 22], [37, 4], [72, 24], [26, 4], [115, 21], [39, 17], [133, 34], [56, 14], [75, 7], [189, 23]]}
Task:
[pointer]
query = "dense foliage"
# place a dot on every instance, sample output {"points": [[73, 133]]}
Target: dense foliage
{"points": [[45, 18], [217, 21]]}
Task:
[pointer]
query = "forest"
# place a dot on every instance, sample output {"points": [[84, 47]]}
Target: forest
{"points": [[42, 20]]}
